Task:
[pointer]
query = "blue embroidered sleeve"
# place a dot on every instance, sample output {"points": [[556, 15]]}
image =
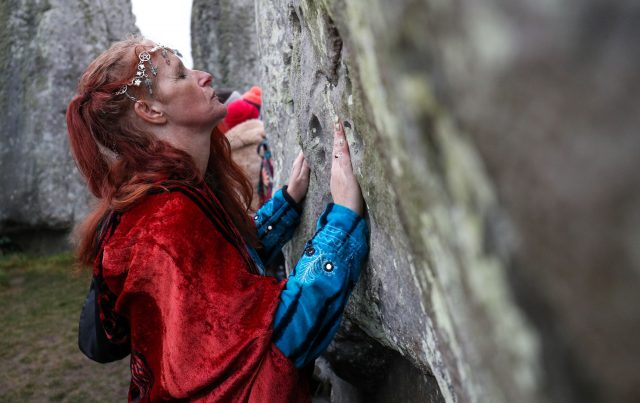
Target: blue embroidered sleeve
{"points": [[276, 221], [316, 292]]}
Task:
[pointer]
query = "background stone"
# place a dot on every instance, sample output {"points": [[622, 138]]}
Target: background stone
{"points": [[44, 47], [224, 42]]}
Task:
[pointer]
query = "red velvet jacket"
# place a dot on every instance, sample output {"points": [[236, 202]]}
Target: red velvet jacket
{"points": [[200, 322]]}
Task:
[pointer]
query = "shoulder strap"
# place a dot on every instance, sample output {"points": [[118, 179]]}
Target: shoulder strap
{"points": [[105, 228], [103, 336]]}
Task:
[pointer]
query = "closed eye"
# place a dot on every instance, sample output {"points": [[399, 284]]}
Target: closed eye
{"points": [[181, 72]]}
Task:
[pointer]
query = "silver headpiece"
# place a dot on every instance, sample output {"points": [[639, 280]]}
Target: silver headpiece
{"points": [[141, 76]]}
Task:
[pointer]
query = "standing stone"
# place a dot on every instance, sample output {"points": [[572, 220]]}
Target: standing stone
{"points": [[496, 147], [550, 92], [44, 47], [432, 317], [224, 42]]}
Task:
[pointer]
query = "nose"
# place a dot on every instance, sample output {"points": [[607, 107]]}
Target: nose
{"points": [[204, 79]]}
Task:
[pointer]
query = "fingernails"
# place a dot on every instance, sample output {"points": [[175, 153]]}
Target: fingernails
{"points": [[336, 119], [337, 126]]}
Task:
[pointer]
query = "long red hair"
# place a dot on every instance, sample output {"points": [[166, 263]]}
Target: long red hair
{"points": [[121, 162]]}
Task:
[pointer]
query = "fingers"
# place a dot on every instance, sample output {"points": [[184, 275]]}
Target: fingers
{"points": [[297, 164], [338, 140], [305, 169], [340, 146], [299, 179]]}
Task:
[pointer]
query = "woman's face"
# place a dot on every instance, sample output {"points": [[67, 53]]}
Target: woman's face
{"points": [[186, 96]]}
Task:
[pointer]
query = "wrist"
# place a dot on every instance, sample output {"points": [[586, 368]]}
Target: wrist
{"points": [[296, 204], [355, 206]]}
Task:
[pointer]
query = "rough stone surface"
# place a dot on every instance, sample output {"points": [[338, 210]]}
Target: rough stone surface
{"points": [[224, 43], [431, 285], [549, 93], [44, 47], [496, 146]]}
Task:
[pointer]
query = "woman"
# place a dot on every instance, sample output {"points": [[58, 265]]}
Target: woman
{"points": [[179, 259]]}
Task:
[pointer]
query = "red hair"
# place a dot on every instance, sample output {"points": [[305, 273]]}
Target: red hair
{"points": [[121, 162]]}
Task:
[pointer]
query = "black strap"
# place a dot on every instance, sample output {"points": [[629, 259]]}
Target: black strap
{"points": [[92, 336]]}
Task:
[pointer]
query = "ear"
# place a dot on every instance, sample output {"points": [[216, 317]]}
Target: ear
{"points": [[149, 113]]}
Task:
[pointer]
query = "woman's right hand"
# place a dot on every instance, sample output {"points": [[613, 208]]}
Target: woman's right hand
{"points": [[344, 185], [299, 179]]}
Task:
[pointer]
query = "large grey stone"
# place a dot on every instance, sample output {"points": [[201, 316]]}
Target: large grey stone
{"points": [[431, 286], [44, 47], [549, 93], [496, 146]]}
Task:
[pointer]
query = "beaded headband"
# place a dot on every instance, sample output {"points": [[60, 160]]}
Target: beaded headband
{"points": [[141, 74]]}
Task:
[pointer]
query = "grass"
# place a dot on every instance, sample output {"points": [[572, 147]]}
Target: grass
{"points": [[40, 302]]}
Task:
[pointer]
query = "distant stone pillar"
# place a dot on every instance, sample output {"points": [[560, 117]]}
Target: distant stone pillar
{"points": [[44, 48], [224, 42]]}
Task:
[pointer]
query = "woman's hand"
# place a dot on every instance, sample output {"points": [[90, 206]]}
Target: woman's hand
{"points": [[344, 185], [299, 179]]}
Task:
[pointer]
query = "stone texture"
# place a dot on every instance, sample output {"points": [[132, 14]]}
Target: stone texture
{"points": [[431, 285], [224, 43], [496, 146], [548, 92], [44, 47]]}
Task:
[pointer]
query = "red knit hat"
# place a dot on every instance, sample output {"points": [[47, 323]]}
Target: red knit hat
{"points": [[254, 95], [240, 111]]}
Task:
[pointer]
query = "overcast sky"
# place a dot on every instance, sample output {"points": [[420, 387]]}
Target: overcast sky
{"points": [[167, 22]]}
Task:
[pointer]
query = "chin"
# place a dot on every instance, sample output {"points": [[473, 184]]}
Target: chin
{"points": [[220, 117], [219, 113]]}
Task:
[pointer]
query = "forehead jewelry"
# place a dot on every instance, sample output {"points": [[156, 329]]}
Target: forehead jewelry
{"points": [[141, 76]]}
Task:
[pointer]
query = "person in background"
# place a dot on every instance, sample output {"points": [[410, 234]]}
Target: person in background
{"points": [[179, 259], [250, 149], [249, 145], [241, 109]]}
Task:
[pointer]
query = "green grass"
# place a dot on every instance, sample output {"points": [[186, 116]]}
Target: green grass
{"points": [[40, 302]]}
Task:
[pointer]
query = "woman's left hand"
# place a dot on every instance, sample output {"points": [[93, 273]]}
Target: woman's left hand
{"points": [[299, 179]]}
